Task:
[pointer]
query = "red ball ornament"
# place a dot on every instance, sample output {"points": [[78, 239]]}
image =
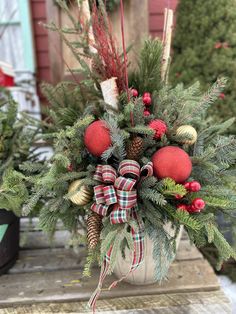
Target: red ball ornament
{"points": [[159, 127], [147, 100], [172, 162], [198, 204], [97, 138], [194, 186], [146, 95], [182, 207], [146, 113], [134, 92]]}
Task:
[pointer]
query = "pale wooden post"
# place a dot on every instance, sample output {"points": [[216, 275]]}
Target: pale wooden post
{"points": [[167, 36], [85, 10], [55, 47]]}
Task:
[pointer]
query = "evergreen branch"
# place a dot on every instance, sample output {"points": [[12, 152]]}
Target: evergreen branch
{"points": [[206, 101], [148, 182], [223, 247], [219, 202], [139, 129], [163, 251], [92, 258], [30, 205], [148, 75], [169, 187], [152, 195], [184, 218]]}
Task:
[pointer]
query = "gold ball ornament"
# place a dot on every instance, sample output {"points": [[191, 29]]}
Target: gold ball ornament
{"points": [[83, 195], [188, 131]]}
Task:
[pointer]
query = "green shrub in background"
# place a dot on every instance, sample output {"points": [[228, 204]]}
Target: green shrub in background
{"points": [[17, 136], [205, 48]]}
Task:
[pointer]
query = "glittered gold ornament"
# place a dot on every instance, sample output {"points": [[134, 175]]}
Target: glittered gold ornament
{"points": [[83, 195], [189, 132]]}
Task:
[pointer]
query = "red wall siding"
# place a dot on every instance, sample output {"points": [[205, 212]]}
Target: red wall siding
{"points": [[39, 14], [156, 15]]}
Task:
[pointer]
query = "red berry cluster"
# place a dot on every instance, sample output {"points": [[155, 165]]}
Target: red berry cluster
{"points": [[197, 204], [219, 45], [134, 92], [146, 113], [70, 168], [147, 100], [222, 96], [193, 186]]}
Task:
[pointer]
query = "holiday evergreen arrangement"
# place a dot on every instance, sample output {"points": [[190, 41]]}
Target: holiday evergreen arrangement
{"points": [[204, 48], [133, 155]]}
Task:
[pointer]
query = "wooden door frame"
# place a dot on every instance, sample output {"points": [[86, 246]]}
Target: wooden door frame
{"points": [[54, 42]]}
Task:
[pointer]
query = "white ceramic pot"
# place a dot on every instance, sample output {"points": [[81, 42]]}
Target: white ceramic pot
{"points": [[144, 274]]}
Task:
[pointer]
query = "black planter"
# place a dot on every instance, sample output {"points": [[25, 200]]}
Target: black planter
{"points": [[9, 246]]}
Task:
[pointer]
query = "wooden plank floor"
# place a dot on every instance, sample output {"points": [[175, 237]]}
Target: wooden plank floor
{"points": [[49, 280]]}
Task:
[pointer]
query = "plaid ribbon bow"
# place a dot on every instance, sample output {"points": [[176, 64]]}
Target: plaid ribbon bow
{"points": [[119, 191]]}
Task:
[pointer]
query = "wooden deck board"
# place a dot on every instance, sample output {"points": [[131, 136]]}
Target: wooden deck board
{"points": [[48, 260], [32, 224], [178, 303], [38, 240], [184, 276], [49, 280], [62, 259]]}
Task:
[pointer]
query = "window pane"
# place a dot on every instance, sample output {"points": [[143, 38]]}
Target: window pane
{"points": [[9, 10], [12, 46]]}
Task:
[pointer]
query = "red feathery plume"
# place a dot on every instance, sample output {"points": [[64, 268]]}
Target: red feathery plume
{"points": [[108, 61]]}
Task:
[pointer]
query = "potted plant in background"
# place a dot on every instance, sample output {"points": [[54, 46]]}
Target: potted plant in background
{"points": [[16, 140]]}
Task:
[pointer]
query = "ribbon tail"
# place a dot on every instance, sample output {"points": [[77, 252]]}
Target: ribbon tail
{"points": [[93, 300], [138, 253], [115, 283], [132, 268], [105, 266]]}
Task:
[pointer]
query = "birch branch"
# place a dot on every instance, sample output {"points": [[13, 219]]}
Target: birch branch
{"points": [[168, 28], [85, 10]]}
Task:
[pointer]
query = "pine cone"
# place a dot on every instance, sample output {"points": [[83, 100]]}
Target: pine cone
{"points": [[94, 224], [135, 148]]}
